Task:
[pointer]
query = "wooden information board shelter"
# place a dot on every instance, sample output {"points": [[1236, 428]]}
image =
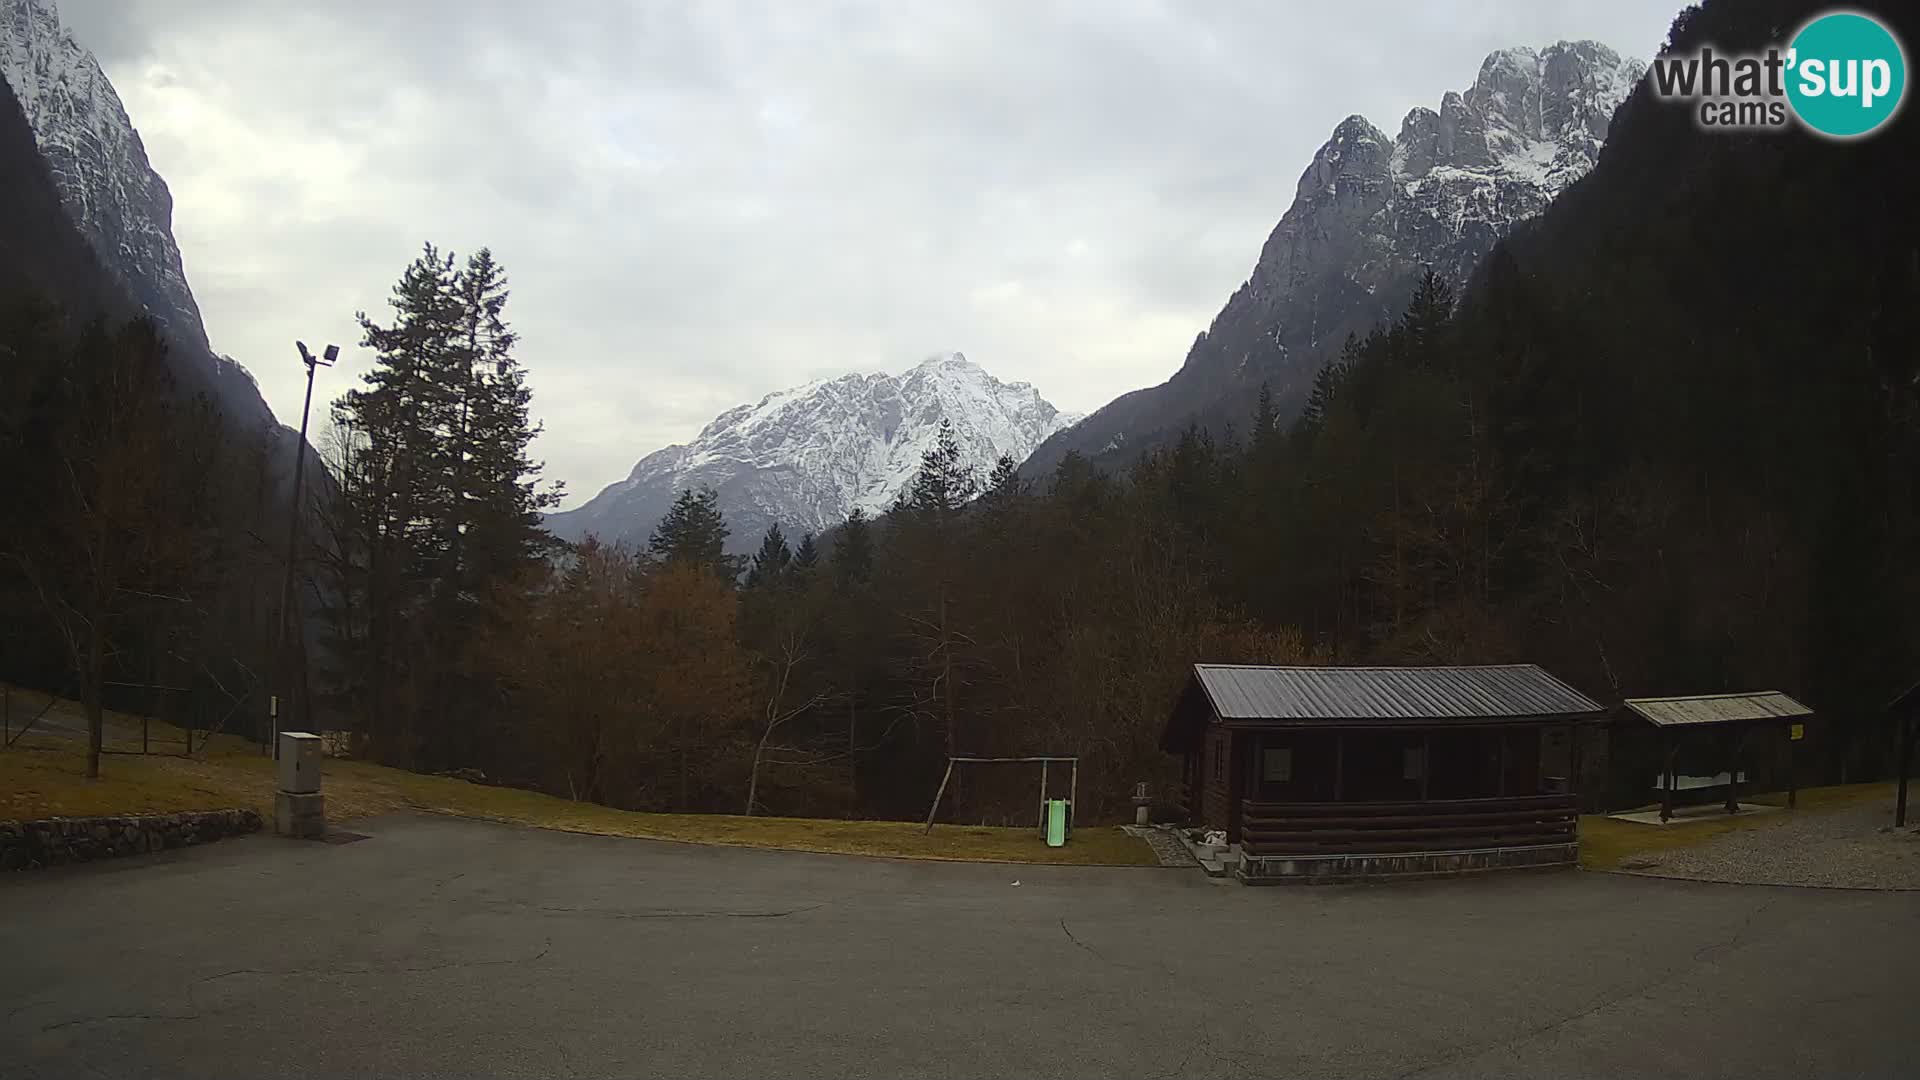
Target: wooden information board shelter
{"points": [[1734, 717]]}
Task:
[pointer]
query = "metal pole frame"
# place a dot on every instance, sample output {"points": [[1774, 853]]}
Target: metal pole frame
{"points": [[52, 700], [1043, 798], [1073, 790]]}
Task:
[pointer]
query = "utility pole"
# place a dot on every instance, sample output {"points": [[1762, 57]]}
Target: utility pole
{"points": [[283, 659]]}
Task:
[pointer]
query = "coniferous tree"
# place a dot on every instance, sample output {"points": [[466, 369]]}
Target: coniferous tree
{"points": [[397, 499], [499, 488], [770, 563], [807, 555], [944, 482], [852, 557], [1004, 484], [1326, 384], [1429, 310], [927, 532], [437, 501], [694, 531], [1265, 417]]}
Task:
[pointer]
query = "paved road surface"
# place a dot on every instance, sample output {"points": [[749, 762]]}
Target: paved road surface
{"points": [[451, 948]]}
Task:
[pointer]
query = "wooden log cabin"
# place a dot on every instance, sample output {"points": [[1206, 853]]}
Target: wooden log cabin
{"points": [[1347, 773]]}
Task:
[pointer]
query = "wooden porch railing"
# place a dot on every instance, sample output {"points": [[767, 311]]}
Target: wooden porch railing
{"points": [[1269, 829]]}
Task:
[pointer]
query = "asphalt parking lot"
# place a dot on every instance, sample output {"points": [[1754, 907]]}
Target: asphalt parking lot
{"points": [[441, 947]]}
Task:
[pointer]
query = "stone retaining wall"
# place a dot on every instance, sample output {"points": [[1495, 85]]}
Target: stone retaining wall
{"points": [[1345, 869], [30, 845]]}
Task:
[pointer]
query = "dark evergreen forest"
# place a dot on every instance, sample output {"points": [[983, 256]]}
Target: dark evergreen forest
{"points": [[1666, 441]]}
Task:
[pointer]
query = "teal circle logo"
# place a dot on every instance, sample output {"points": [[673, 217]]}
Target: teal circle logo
{"points": [[1846, 74]]}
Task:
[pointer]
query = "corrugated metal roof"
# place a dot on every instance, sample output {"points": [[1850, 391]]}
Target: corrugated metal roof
{"points": [[1718, 708], [1504, 691]]}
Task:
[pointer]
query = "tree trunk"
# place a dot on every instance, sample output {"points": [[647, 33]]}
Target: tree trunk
{"points": [[753, 774], [92, 690], [946, 669], [683, 764]]}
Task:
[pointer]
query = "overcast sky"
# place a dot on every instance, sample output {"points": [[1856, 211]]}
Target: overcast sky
{"points": [[701, 203]]}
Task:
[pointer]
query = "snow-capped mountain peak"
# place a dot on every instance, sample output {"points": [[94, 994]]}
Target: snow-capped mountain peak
{"points": [[113, 195], [808, 455], [97, 161], [1370, 214]]}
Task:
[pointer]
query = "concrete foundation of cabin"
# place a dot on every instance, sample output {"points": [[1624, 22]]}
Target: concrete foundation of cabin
{"points": [[1345, 869]]}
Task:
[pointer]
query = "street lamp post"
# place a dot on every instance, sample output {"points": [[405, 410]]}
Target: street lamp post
{"points": [[283, 660]]}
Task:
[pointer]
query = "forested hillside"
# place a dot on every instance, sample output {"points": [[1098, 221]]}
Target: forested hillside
{"points": [[132, 549], [1665, 443]]}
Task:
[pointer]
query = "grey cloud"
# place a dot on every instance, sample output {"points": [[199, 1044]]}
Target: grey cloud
{"points": [[699, 203]]}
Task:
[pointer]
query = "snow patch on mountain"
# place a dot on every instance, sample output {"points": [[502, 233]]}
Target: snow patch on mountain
{"points": [[1369, 214], [115, 198], [809, 455], [98, 162]]}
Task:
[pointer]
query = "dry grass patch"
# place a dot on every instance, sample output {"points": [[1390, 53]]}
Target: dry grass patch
{"points": [[44, 776], [1605, 844]]}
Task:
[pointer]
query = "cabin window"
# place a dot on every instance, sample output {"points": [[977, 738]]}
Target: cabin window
{"points": [[1276, 766]]}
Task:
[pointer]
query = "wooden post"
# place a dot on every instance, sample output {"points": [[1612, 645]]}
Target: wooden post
{"points": [[1426, 763], [1666, 802], [1339, 765], [931, 810], [1906, 762], [1501, 790], [1733, 772], [1793, 769], [1073, 794], [1574, 776], [1043, 797]]}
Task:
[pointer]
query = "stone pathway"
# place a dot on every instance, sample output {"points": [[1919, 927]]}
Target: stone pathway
{"points": [[1853, 847], [1166, 846]]}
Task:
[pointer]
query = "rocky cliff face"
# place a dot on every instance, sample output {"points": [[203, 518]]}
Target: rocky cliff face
{"points": [[110, 190], [807, 456], [1369, 215]]}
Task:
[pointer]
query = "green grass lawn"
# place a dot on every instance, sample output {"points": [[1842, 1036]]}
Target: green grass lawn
{"points": [[1605, 844], [43, 777]]}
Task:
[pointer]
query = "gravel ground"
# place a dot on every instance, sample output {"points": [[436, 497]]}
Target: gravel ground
{"points": [[1166, 846], [1851, 848]]}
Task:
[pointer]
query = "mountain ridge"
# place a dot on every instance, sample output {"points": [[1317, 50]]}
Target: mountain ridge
{"points": [[112, 193], [807, 455], [1369, 213]]}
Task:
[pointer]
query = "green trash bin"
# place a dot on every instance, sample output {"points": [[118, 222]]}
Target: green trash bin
{"points": [[1059, 815]]}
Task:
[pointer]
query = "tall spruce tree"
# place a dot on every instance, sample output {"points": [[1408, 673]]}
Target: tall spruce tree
{"points": [[771, 562], [694, 531], [438, 499], [807, 555], [852, 557], [1431, 307], [1004, 485], [393, 498], [498, 482], [944, 482], [1265, 417]]}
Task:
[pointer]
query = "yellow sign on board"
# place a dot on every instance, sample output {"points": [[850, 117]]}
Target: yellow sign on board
{"points": [[1796, 732]]}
